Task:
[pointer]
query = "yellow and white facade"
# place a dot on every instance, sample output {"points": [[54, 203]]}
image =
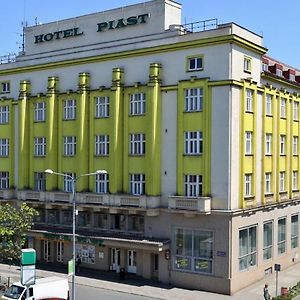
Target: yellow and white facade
{"points": [[198, 132]]}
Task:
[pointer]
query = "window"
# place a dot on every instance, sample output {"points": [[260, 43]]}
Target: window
{"points": [[194, 250], [249, 100], [40, 146], [69, 145], [248, 142], [195, 63], [67, 217], [268, 183], [282, 144], [39, 181], [137, 104], [268, 143], [265, 67], [281, 181], [70, 109], [137, 184], [4, 180], [102, 183], [193, 100], [68, 182], [135, 223], [4, 114], [4, 147], [40, 112], [294, 231], [53, 216], [268, 105], [87, 253], [248, 185], [83, 219], [101, 145], [281, 243], [282, 108], [118, 222], [5, 87], [247, 248], [193, 185], [193, 142], [295, 145], [247, 64], [295, 181], [268, 240], [102, 107], [137, 144], [100, 220], [292, 77], [296, 111], [279, 72]]}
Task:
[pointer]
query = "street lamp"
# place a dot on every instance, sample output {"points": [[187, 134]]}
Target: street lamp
{"points": [[74, 180]]}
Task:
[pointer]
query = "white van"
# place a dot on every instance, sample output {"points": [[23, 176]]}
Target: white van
{"points": [[45, 288]]}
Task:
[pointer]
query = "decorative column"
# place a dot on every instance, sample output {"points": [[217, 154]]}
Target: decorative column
{"points": [[153, 134], [52, 130], [116, 139], [24, 172]]}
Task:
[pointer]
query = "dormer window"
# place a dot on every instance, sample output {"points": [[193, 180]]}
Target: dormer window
{"points": [[265, 67], [292, 77], [279, 72]]}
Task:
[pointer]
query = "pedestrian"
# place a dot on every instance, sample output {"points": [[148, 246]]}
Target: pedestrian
{"points": [[267, 295], [78, 263]]}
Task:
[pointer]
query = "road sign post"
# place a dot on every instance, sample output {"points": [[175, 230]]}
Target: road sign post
{"points": [[28, 261], [277, 268]]}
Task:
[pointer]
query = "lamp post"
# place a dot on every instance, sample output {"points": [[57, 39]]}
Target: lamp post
{"points": [[74, 180]]}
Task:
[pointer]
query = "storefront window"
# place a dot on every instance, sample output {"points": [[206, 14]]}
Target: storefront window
{"points": [[247, 248], [86, 253]]}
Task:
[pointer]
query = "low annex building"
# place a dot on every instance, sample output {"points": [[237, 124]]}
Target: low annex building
{"points": [[196, 126]]}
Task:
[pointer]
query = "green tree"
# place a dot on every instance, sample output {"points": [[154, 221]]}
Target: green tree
{"points": [[15, 222]]}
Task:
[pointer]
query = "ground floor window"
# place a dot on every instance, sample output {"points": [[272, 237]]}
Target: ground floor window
{"points": [[294, 231], [86, 253], [281, 243], [194, 250], [268, 240], [247, 247]]}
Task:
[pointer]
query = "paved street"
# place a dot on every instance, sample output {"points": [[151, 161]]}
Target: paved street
{"points": [[106, 285]]}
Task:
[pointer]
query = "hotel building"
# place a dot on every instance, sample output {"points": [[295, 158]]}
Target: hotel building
{"points": [[197, 128]]}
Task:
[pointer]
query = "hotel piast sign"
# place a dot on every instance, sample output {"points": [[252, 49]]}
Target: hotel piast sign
{"points": [[101, 27]]}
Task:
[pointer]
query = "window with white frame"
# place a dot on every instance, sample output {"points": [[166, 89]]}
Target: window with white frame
{"points": [[68, 182], [248, 142], [282, 108], [294, 231], [292, 77], [193, 250], [248, 185], [193, 185], [282, 144], [4, 180], [281, 237], [40, 112], [102, 183], [249, 100], [4, 114], [5, 87], [102, 107], [247, 247], [4, 147], [69, 109], [268, 105], [39, 181], [247, 64], [69, 145], [193, 100], [195, 63], [193, 142], [295, 111], [295, 180], [268, 183], [265, 67], [137, 144], [281, 181], [39, 146], [101, 145], [295, 145], [279, 72], [268, 240], [137, 184], [268, 143], [137, 104]]}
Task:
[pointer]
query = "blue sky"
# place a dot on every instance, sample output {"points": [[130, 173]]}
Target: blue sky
{"points": [[275, 20]]}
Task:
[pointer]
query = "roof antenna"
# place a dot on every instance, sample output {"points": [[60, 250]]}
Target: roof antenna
{"points": [[24, 24]]}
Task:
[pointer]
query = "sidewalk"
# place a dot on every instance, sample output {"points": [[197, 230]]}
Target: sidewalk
{"points": [[139, 286]]}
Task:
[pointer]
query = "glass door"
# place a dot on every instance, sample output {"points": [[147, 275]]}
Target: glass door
{"points": [[131, 266], [115, 259]]}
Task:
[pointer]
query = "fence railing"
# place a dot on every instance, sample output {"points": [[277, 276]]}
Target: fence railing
{"points": [[201, 25], [9, 58]]}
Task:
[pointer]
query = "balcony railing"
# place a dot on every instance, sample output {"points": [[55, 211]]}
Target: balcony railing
{"points": [[201, 25], [199, 204], [9, 58]]}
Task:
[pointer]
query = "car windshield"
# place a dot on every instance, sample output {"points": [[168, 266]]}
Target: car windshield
{"points": [[14, 292]]}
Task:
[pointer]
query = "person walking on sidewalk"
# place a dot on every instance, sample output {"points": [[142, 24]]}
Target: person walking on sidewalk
{"points": [[267, 295], [78, 263]]}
